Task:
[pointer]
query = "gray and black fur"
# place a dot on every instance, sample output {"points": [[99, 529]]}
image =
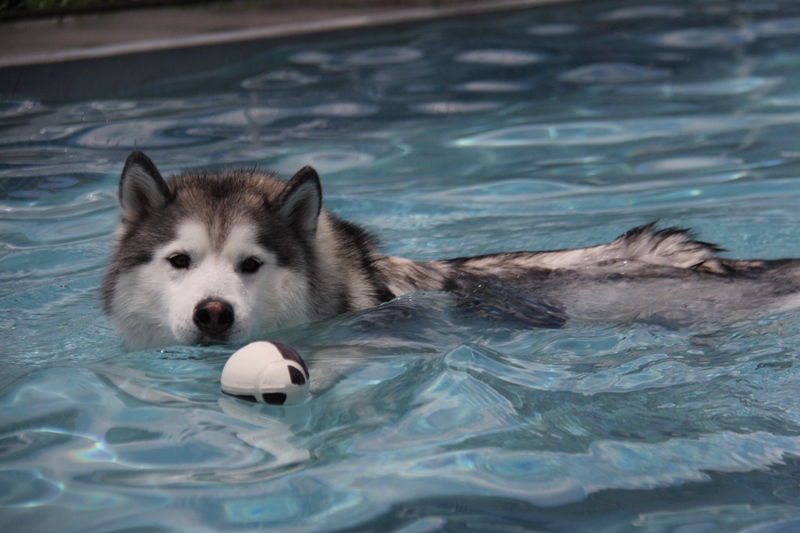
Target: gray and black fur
{"points": [[646, 273]]}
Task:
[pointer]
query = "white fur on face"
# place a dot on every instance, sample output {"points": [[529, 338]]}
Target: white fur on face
{"points": [[155, 303]]}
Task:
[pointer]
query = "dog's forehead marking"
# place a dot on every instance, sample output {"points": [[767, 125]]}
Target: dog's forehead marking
{"points": [[193, 235], [200, 238], [241, 239]]}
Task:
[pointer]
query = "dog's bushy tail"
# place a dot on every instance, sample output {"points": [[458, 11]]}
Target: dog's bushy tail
{"points": [[673, 247]]}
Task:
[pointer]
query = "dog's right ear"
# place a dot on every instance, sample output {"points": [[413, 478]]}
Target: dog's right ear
{"points": [[142, 190]]}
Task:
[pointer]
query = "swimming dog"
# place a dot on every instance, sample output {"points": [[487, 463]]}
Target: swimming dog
{"points": [[215, 257]]}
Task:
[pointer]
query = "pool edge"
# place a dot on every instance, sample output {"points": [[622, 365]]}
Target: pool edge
{"points": [[118, 69], [382, 17]]}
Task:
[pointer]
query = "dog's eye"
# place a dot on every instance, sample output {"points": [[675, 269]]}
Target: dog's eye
{"points": [[250, 265], [179, 261]]}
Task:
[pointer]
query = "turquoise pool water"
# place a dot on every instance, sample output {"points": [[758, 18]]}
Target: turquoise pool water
{"points": [[548, 128]]}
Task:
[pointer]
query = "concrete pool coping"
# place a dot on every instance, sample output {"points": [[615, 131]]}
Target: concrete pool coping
{"points": [[80, 57]]}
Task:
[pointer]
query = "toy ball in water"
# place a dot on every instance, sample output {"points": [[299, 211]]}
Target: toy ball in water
{"points": [[266, 372]]}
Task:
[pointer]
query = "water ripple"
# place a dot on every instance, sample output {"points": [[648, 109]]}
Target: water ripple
{"points": [[640, 12], [493, 86], [450, 408], [27, 488], [777, 27], [702, 38], [326, 162], [613, 132], [389, 55], [683, 164], [343, 109], [553, 30], [613, 73], [448, 108], [501, 58], [11, 109], [138, 133], [279, 79], [311, 58], [553, 478], [726, 87]]}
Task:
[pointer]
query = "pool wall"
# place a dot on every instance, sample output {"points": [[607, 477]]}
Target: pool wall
{"points": [[121, 61]]}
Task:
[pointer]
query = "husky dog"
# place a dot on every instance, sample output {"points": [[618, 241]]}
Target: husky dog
{"points": [[214, 257]]}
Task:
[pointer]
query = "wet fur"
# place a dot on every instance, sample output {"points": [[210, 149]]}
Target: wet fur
{"points": [[317, 266]]}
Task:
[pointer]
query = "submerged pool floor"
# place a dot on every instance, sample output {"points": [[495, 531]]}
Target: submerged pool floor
{"points": [[540, 129]]}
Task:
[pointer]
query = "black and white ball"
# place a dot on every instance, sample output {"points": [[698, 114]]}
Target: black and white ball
{"points": [[266, 372]]}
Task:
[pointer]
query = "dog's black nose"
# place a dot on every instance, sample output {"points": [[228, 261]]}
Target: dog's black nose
{"points": [[213, 317]]}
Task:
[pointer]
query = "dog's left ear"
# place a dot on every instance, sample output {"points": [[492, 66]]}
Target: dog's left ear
{"points": [[301, 201]]}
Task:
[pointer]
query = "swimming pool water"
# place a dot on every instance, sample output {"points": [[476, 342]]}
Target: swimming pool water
{"points": [[556, 127]]}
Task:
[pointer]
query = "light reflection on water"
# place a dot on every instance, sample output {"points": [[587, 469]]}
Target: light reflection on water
{"points": [[543, 129]]}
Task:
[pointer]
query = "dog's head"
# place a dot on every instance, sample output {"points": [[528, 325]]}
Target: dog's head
{"points": [[210, 257]]}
